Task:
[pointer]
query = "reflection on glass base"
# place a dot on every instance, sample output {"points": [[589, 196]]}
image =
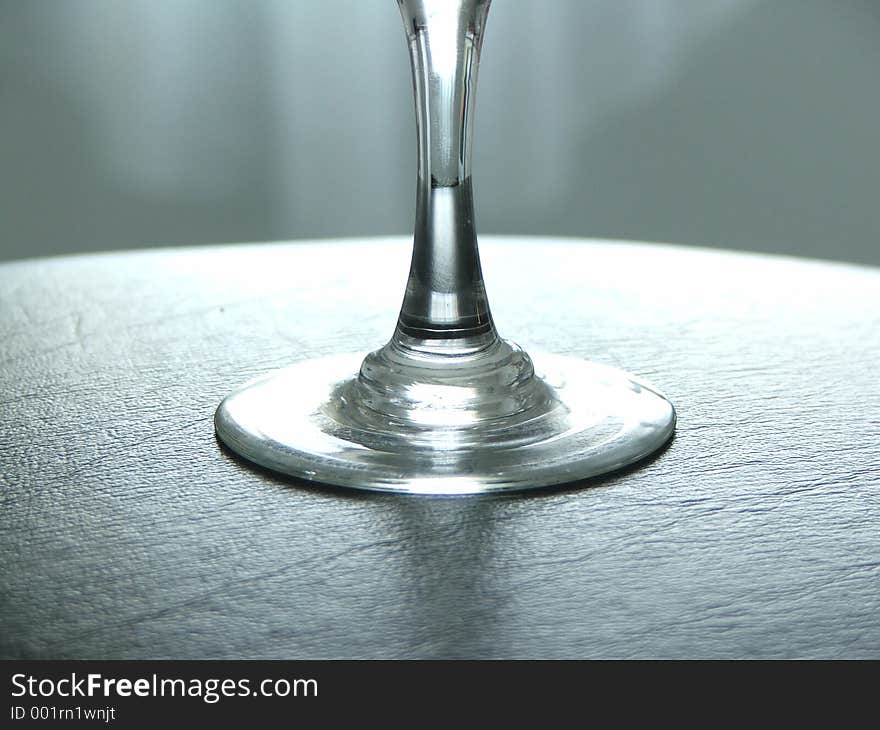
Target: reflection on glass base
{"points": [[456, 427]]}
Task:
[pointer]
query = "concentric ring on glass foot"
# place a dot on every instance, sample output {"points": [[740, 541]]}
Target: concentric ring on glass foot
{"points": [[604, 419]]}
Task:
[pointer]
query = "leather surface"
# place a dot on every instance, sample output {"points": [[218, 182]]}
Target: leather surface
{"points": [[127, 532]]}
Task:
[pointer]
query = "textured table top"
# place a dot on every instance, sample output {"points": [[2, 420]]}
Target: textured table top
{"points": [[127, 532]]}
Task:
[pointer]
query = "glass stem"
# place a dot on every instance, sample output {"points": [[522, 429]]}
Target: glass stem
{"points": [[445, 302]]}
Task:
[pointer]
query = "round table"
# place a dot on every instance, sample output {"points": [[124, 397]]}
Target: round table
{"points": [[127, 531]]}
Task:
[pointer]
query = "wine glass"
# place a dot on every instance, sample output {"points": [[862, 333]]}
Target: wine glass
{"points": [[446, 406]]}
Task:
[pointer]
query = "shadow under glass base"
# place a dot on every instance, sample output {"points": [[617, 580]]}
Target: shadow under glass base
{"points": [[370, 424]]}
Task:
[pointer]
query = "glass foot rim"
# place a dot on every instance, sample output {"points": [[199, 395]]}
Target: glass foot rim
{"points": [[613, 420]]}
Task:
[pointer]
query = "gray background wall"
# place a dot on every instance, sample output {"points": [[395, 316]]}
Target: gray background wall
{"points": [[749, 124]]}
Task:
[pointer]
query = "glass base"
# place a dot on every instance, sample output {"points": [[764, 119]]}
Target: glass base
{"points": [[446, 426]]}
